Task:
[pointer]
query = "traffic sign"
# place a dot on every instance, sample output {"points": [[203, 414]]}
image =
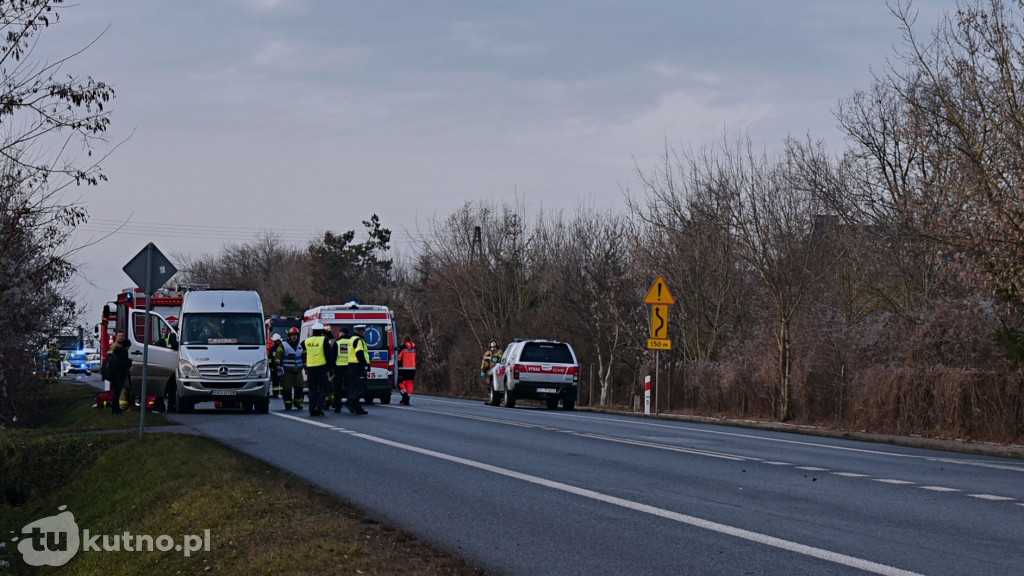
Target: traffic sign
{"points": [[659, 321], [150, 269], [659, 293], [657, 344]]}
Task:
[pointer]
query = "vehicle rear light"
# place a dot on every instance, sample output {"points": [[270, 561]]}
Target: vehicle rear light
{"points": [[515, 372], [575, 371]]}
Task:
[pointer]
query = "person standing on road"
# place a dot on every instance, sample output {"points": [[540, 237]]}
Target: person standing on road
{"points": [[53, 361], [274, 357], [291, 362], [491, 357], [318, 353], [341, 385], [121, 367], [358, 366], [406, 369]]}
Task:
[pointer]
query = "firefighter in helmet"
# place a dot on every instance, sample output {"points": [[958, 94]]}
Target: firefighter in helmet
{"points": [[291, 378]]}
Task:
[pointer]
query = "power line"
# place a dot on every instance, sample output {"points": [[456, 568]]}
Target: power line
{"points": [[241, 234]]}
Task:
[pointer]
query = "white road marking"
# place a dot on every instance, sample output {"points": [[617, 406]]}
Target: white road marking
{"points": [[991, 497], [939, 489], [756, 537], [892, 481]]}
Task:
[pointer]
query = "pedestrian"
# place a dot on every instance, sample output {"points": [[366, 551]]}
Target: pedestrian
{"points": [[121, 368], [291, 365], [358, 366], [274, 357], [341, 368], [406, 369], [318, 356]]}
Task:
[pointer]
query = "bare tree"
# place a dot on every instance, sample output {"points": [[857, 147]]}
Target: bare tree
{"points": [[598, 284], [280, 273], [961, 90], [688, 239], [774, 208], [46, 115]]}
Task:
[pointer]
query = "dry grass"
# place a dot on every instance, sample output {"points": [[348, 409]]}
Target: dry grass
{"points": [[261, 520]]}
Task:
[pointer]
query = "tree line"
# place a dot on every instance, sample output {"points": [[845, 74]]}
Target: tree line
{"points": [[876, 287]]}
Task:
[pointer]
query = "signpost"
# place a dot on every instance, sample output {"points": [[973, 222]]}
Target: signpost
{"points": [[150, 270], [659, 297]]}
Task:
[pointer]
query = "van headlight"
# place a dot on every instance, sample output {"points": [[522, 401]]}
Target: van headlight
{"points": [[187, 369], [258, 370]]}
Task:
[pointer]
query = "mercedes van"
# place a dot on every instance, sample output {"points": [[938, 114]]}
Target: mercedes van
{"points": [[222, 350]]}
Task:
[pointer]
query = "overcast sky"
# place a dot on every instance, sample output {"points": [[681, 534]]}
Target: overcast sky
{"points": [[300, 116]]}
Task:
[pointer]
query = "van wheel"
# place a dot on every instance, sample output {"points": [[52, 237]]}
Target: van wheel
{"points": [[509, 400], [262, 406], [495, 399], [183, 406], [552, 403], [568, 403], [385, 398]]}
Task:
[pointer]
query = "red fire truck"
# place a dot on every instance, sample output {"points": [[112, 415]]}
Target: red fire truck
{"points": [[128, 312]]}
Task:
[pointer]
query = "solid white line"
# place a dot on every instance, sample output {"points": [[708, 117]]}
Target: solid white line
{"points": [[756, 537], [827, 555]]}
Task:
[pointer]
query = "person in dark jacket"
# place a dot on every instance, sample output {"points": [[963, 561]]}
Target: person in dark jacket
{"points": [[121, 369], [358, 366]]}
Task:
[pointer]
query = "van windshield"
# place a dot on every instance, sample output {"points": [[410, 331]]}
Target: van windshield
{"points": [[222, 328]]}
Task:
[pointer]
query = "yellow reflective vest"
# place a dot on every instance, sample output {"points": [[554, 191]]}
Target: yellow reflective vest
{"points": [[315, 356], [355, 345], [343, 350]]}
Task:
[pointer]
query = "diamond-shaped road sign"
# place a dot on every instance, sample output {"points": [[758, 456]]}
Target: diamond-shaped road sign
{"points": [[150, 269]]}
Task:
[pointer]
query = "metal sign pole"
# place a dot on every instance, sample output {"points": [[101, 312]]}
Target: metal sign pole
{"points": [[145, 339], [657, 363]]}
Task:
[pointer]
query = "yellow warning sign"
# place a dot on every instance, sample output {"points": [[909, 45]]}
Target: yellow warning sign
{"points": [[659, 293]]}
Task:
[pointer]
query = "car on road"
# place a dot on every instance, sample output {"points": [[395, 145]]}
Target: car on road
{"points": [[536, 369], [93, 358], [76, 362]]}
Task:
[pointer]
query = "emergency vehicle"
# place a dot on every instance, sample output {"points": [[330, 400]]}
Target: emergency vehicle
{"points": [[381, 340], [279, 325], [128, 312]]}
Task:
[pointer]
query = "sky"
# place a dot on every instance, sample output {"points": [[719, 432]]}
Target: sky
{"points": [[295, 117]]}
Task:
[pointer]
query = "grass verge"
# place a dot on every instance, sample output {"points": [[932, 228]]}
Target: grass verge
{"points": [[260, 520]]}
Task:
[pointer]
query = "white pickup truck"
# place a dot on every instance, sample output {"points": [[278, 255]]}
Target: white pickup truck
{"points": [[533, 369]]}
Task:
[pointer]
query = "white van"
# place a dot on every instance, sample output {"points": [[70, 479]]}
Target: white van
{"points": [[222, 350]]}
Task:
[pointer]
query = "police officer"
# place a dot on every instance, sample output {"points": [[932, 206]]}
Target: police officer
{"points": [[341, 368], [291, 362], [318, 356], [358, 366]]}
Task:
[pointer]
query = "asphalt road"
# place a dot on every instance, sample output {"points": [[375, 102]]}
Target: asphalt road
{"points": [[531, 491], [534, 492]]}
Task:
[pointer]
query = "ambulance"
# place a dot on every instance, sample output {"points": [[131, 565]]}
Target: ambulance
{"points": [[381, 340]]}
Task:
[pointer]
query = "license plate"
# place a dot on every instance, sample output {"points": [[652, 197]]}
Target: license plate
{"points": [[224, 392], [547, 390]]}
